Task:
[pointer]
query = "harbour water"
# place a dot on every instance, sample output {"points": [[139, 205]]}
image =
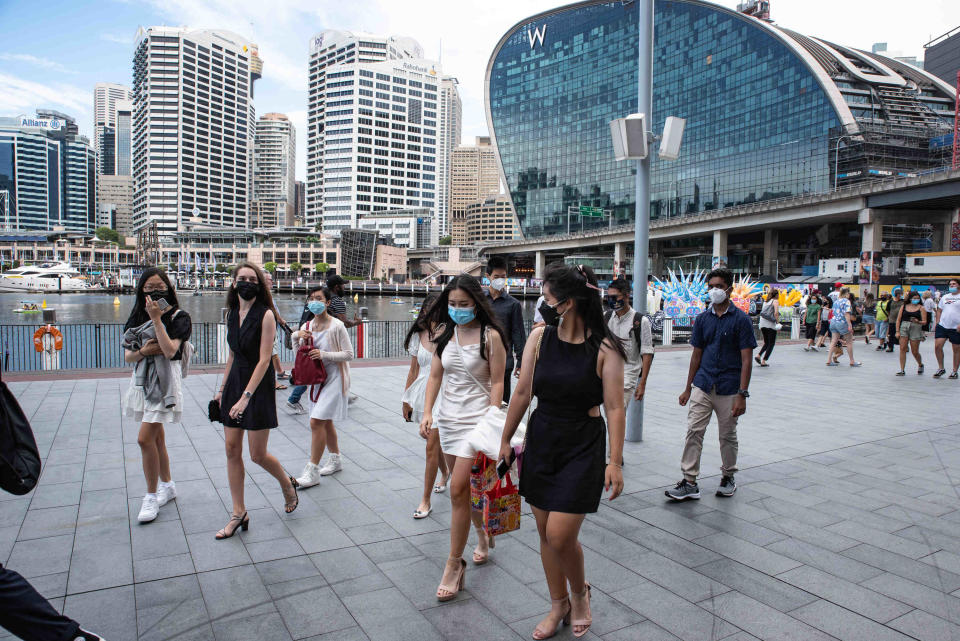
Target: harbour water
{"points": [[99, 308]]}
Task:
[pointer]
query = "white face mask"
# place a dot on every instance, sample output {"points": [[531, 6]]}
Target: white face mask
{"points": [[717, 295], [498, 284]]}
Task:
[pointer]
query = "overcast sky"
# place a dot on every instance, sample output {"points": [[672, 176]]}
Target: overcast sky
{"points": [[54, 61]]}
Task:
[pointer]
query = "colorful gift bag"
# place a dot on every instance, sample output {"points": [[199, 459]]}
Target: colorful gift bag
{"points": [[483, 476], [501, 508]]}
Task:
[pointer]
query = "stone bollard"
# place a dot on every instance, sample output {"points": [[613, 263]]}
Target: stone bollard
{"points": [[795, 328], [667, 332]]}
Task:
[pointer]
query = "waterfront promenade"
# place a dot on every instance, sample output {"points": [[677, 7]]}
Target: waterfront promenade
{"points": [[845, 524]]}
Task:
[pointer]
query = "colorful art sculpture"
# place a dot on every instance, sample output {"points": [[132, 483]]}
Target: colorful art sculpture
{"points": [[743, 290], [683, 295], [789, 297]]}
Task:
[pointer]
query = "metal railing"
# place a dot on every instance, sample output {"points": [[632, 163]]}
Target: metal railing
{"points": [[97, 345]]}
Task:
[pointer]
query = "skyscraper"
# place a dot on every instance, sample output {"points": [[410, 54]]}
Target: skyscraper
{"points": [[473, 178], [451, 125], [372, 141], [300, 189], [48, 174], [193, 127], [108, 100], [274, 166]]}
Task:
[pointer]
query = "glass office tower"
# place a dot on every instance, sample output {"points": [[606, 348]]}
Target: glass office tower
{"points": [[765, 109]]}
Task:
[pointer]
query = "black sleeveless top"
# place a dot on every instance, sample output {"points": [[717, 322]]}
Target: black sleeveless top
{"points": [[244, 342], [914, 316], [565, 379]]}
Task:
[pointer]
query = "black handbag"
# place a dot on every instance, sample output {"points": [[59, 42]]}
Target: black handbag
{"points": [[213, 411], [19, 458]]}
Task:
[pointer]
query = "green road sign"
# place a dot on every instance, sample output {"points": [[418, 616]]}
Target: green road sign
{"points": [[591, 212]]}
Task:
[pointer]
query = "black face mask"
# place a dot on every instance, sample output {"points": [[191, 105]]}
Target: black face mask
{"points": [[613, 303], [247, 290], [550, 315], [158, 294]]}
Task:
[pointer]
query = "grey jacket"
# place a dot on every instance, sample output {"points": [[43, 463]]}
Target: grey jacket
{"points": [[152, 373]]}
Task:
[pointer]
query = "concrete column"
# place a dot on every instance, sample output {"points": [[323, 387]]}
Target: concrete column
{"points": [[871, 241], [619, 254], [771, 244], [656, 259], [720, 247], [539, 264]]}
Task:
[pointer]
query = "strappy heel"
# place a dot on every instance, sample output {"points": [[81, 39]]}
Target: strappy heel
{"points": [[243, 521], [583, 622], [480, 559], [453, 589], [290, 504], [564, 620]]}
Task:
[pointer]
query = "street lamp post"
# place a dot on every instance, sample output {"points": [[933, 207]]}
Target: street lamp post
{"points": [[641, 228], [836, 161]]}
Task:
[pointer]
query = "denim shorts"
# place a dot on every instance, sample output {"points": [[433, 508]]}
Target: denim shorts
{"points": [[869, 320]]}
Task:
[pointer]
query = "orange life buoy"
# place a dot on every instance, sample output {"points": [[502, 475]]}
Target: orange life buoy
{"points": [[47, 329]]}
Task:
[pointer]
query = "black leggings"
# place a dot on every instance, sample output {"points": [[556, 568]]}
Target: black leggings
{"points": [[769, 340]]}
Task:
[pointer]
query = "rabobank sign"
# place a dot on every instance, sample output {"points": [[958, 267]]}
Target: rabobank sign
{"points": [[50, 124]]}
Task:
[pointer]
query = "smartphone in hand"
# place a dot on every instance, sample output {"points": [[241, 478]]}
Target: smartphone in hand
{"points": [[163, 304], [504, 466]]}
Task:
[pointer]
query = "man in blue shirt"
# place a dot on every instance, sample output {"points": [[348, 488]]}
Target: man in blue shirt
{"points": [[720, 368]]}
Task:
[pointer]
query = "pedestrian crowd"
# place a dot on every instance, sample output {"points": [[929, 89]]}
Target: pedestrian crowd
{"points": [[555, 402]]}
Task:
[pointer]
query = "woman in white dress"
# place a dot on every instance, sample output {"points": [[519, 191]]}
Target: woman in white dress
{"points": [[331, 345], [467, 374], [173, 328], [420, 345]]}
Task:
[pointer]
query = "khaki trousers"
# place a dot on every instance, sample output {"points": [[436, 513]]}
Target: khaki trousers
{"points": [[702, 405]]}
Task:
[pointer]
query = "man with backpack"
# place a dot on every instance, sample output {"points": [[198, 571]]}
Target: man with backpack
{"points": [[636, 332]]}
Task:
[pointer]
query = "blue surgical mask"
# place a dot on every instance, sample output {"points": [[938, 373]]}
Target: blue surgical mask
{"points": [[915, 301], [317, 307], [462, 315], [953, 290]]}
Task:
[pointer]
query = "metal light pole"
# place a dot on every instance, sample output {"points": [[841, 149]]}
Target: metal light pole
{"points": [[641, 229]]}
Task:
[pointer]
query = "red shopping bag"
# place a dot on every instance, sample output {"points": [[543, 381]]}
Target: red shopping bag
{"points": [[307, 371], [501, 508], [483, 476]]}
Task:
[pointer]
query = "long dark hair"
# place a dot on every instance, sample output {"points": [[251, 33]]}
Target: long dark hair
{"points": [[421, 324], [263, 295], [138, 315], [579, 284], [438, 315]]}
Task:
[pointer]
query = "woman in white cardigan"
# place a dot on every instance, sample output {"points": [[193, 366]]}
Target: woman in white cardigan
{"points": [[331, 346]]}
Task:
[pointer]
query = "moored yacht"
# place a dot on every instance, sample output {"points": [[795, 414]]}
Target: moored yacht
{"points": [[48, 277]]}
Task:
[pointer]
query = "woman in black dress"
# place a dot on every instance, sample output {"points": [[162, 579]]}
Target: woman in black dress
{"points": [[577, 365], [248, 401]]}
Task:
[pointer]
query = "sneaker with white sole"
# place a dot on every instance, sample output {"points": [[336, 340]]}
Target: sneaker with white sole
{"points": [[296, 408], [83, 635], [149, 508], [166, 492], [683, 491], [333, 465], [727, 487], [310, 476]]}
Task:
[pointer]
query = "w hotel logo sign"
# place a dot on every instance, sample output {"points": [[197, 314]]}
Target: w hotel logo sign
{"points": [[536, 34]]}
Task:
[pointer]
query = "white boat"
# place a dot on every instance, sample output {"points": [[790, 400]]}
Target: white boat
{"points": [[48, 277]]}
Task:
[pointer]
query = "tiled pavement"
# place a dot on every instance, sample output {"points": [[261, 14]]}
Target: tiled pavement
{"points": [[845, 524]]}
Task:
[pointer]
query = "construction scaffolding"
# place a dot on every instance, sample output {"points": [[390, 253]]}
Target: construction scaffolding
{"points": [[148, 245]]}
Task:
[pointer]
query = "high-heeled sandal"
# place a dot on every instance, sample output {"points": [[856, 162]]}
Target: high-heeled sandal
{"points": [[564, 620], [453, 589], [289, 505], [586, 622], [479, 558], [243, 521]]}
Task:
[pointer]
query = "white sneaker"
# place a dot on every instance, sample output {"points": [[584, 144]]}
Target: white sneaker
{"points": [[166, 492], [149, 509], [333, 465], [296, 408], [310, 476]]}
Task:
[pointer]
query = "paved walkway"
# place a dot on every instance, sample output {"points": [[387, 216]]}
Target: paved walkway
{"points": [[845, 525]]}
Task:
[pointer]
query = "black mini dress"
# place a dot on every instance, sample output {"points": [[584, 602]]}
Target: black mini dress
{"points": [[244, 342], [565, 455]]}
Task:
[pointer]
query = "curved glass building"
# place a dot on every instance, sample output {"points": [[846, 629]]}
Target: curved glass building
{"points": [[770, 113]]}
